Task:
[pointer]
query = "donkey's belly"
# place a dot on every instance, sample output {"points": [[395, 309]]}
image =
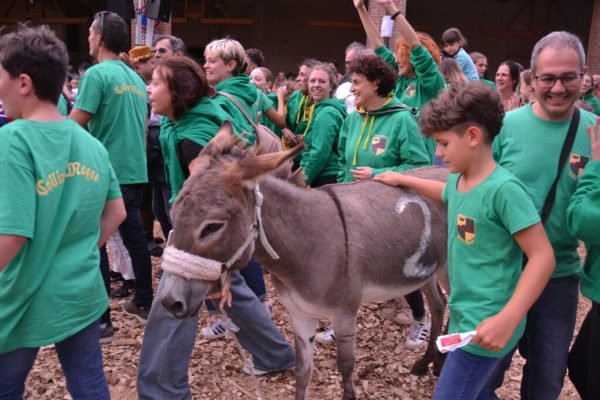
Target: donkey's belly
{"points": [[371, 292]]}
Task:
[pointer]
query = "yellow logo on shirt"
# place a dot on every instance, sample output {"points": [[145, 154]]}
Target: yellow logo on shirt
{"points": [[466, 229], [57, 178], [129, 88]]}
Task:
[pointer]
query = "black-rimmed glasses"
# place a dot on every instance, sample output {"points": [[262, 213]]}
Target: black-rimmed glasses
{"points": [[570, 80]]}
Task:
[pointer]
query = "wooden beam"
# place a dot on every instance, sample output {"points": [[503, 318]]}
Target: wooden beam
{"points": [[227, 21], [333, 24], [48, 21]]}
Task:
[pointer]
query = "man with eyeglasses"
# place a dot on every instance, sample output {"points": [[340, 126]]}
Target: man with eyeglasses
{"points": [[111, 102], [529, 146], [168, 46]]}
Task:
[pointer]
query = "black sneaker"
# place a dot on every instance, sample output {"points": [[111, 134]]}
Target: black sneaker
{"points": [[154, 249], [115, 276], [107, 333], [139, 313], [125, 290]]}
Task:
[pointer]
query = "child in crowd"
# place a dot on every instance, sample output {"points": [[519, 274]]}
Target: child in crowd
{"points": [[491, 221], [453, 42], [481, 64], [60, 201]]}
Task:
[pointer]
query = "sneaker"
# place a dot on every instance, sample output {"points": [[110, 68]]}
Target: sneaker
{"points": [[107, 333], [125, 290], [325, 337], [116, 276], [219, 328], [258, 372], [159, 273], [417, 336], [154, 249], [140, 313], [404, 315]]}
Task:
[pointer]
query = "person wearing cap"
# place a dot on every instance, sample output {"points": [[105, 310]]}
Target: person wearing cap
{"points": [[143, 62]]}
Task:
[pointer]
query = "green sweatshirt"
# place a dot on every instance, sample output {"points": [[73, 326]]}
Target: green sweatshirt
{"points": [[199, 124], [384, 139], [246, 93], [593, 101], [583, 220], [422, 88], [320, 158], [273, 102], [296, 115]]}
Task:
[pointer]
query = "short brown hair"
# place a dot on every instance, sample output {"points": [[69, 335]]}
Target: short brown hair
{"points": [[375, 69], [473, 103], [186, 81], [453, 35]]}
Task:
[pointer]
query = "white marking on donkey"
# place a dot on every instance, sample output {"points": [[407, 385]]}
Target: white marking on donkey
{"points": [[338, 246]]}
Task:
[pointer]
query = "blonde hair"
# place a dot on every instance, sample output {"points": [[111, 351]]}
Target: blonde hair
{"points": [[228, 49]]}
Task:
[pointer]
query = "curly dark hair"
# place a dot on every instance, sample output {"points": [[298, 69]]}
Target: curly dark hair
{"points": [[38, 53], [473, 103], [376, 70], [187, 83]]}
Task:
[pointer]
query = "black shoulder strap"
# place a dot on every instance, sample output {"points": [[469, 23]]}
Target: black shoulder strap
{"points": [[564, 153]]}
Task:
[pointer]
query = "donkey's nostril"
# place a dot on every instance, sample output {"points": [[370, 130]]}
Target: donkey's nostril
{"points": [[178, 309]]}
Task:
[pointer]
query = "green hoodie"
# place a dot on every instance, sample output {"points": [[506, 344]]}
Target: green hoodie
{"points": [[583, 220], [386, 139], [246, 93], [593, 101], [296, 115], [273, 102], [200, 124], [419, 90], [320, 158]]}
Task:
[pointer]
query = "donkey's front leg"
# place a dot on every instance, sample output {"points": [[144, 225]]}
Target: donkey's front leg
{"points": [[304, 336], [345, 339]]}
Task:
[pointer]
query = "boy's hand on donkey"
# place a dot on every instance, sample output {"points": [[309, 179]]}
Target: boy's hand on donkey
{"points": [[494, 333], [389, 178]]}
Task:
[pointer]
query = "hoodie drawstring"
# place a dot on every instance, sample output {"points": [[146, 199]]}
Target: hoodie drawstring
{"points": [[364, 125]]}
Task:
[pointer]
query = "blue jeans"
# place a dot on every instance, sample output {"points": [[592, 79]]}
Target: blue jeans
{"points": [[253, 275], [132, 233], [81, 360], [466, 376], [545, 343], [168, 344]]}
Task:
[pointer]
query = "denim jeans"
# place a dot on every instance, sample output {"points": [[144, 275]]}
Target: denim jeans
{"points": [[584, 358], [253, 275], [468, 376], [132, 234], [168, 343], [81, 360]]}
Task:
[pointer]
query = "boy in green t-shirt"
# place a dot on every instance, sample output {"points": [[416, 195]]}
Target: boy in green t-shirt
{"points": [[492, 220], [60, 200]]}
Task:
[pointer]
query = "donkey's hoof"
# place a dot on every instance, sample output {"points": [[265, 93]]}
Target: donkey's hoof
{"points": [[420, 368], [438, 363]]}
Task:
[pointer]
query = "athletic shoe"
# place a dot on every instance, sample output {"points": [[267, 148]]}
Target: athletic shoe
{"points": [[125, 290], [258, 372], [107, 333], [219, 328], [325, 337], [417, 336], [139, 313]]}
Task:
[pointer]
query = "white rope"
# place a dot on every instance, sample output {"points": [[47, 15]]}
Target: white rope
{"points": [[190, 266]]}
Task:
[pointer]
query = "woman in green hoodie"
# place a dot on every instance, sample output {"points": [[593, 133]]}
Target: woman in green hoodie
{"points": [[382, 134], [326, 115]]}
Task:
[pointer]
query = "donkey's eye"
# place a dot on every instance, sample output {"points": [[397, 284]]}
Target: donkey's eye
{"points": [[210, 229]]}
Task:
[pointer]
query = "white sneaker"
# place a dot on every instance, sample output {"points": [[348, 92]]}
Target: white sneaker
{"points": [[417, 336], [218, 329], [325, 337]]}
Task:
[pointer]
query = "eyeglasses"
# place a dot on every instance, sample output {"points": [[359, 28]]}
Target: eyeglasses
{"points": [[567, 80], [160, 50]]}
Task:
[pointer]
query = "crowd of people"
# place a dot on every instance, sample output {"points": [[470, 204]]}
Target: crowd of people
{"points": [[524, 187]]}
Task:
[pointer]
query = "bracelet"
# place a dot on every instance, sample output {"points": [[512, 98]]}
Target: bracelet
{"points": [[393, 17]]}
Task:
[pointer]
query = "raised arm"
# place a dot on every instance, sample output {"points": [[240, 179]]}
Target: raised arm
{"points": [[371, 30]]}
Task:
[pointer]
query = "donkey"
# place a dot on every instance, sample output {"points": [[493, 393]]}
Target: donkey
{"points": [[328, 249]]}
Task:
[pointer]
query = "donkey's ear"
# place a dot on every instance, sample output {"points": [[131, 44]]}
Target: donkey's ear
{"points": [[252, 168], [222, 143]]}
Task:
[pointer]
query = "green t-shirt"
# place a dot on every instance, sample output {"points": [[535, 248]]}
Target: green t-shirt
{"points": [[297, 112], [273, 102], [529, 147], [488, 82], [116, 96], [583, 221], [320, 157], [386, 139], [484, 260], [593, 101], [56, 180]]}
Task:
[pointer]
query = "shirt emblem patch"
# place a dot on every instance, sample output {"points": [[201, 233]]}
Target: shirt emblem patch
{"points": [[378, 144], [466, 229], [410, 90], [577, 164]]}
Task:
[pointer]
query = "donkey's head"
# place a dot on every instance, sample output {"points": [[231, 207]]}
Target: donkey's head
{"points": [[213, 220]]}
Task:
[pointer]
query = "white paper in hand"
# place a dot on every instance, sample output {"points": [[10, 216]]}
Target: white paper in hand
{"points": [[386, 26]]}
